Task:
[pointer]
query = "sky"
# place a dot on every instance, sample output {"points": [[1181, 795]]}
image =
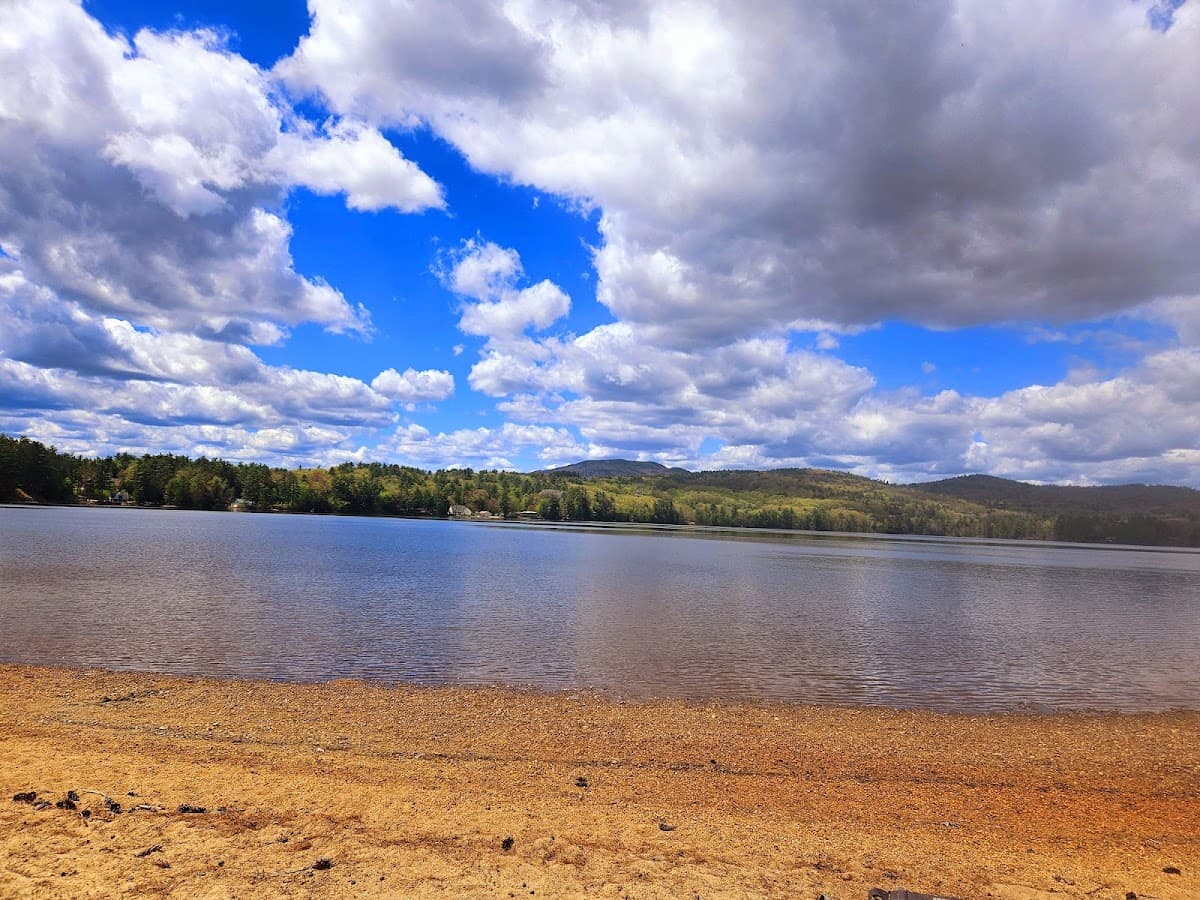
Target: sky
{"points": [[908, 241]]}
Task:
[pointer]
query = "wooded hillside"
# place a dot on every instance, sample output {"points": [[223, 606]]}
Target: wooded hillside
{"points": [[814, 499]]}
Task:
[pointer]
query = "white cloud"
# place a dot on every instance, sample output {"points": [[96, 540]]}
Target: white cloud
{"points": [[622, 391], [349, 157], [1180, 314], [765, 171], [488, 274], [484, 271], [767, 405], [88, 432], [766, 179], [142, 180], [947, 163], [487, 448], [55, 355], [412, 386], [141, 220]]}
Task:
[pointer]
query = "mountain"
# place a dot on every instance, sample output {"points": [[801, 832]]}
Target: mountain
{"points": [[1056, 499], [621, 490], [611, 468]]}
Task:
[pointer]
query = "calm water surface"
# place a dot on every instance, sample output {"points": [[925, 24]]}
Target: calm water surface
{"points": [[944, 624]]}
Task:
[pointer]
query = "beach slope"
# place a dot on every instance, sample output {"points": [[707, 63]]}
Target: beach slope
{"points": [[347, 789]]}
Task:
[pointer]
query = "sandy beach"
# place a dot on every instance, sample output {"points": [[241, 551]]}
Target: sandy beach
{"points": [[348, 789]]}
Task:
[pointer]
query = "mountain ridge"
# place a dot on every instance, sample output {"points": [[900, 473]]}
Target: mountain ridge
{"points": [[977, 488], [1117, 498], [617, 490], [611, 468]]}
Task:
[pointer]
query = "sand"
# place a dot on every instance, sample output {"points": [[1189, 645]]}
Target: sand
{"points": [[455, 792]]}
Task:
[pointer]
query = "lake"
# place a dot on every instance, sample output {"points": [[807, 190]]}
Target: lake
{"points": [[953, 625]]}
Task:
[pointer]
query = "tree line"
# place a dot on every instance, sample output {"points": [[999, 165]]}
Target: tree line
{"points": [[808, 499]]}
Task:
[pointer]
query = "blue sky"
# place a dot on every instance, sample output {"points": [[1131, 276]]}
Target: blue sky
{"points": [[908, 245]]}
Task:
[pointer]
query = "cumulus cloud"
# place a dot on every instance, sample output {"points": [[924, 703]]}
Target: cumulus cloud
{"points": [[621, 391], [487, 448], [763, 170], [1140, 425], [56, 355], [412, 386], [88, 432], [1181, 314], [944, 162], [144, 247], [347, 157], [767, 404], [768, 180], [488, 274], [408, 55], [142, 179]]}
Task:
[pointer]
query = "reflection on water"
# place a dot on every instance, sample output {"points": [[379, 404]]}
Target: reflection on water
{"points": [[944, 624]]}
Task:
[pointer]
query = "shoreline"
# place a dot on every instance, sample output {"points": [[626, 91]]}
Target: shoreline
{"points": [[413, 791], [612, 696], [734, 531]]}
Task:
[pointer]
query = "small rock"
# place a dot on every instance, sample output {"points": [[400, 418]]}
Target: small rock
{"points": [[322, 864], [191, 808], [663, 826], [142, 854], [72, 796], [113, 806], [507, 844], [1172, 870], [66, 803], [581, 782], [1130, 895], [87, 813], [25, 797]]}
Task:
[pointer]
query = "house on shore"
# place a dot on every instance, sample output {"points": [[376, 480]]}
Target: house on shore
{"points": [[458, 511]]}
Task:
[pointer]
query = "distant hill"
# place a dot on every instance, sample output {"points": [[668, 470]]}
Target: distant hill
{"points": [[611, 468], [620, 490], [789, 482], [1055, 499]]}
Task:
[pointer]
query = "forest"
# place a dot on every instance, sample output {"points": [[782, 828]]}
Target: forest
{"points": [[810, 499]]}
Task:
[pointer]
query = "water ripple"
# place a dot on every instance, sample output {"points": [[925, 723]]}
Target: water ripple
{"points": [[952, 625]]}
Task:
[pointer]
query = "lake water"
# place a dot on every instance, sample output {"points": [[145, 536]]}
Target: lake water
{"points": [[944, 624]]}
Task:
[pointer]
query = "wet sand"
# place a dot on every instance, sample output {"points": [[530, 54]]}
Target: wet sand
{"points": [[495, 793]]}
